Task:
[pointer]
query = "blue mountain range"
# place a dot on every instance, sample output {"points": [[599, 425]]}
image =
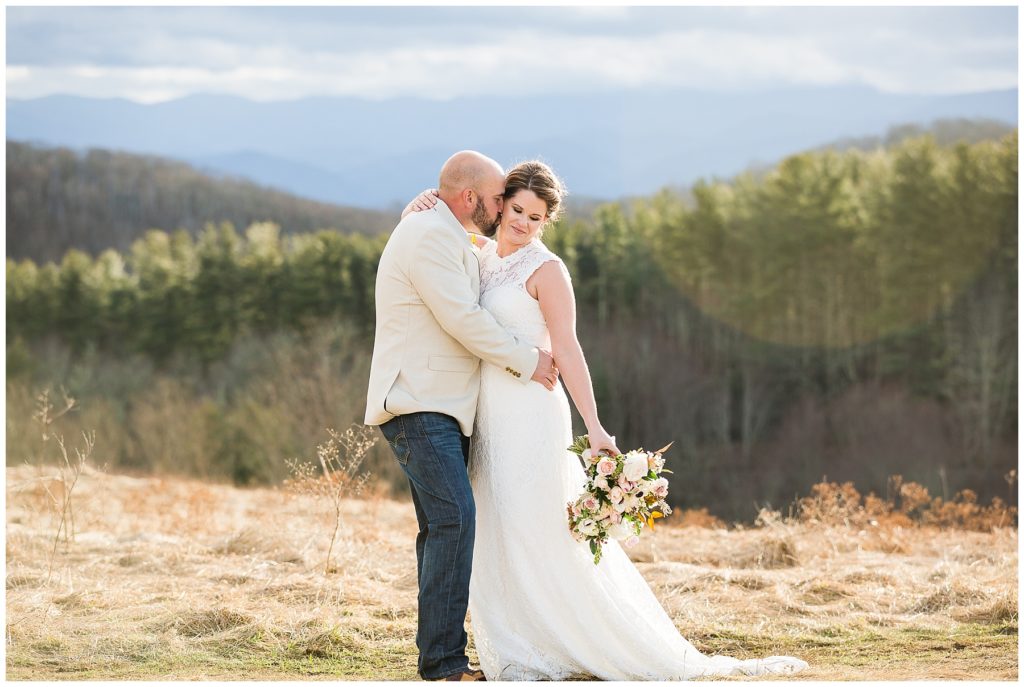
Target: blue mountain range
{"points": [[378, 153]]}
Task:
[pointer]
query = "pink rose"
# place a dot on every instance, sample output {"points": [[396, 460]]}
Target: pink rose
{"points": [[625, 484], [601, 482], [660, 488], [605, 466], [589, 503], [616, 495]]}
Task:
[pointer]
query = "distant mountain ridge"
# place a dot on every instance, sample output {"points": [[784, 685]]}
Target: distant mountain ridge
{"points": [[378, 153], [945, 132], [58, 199]]}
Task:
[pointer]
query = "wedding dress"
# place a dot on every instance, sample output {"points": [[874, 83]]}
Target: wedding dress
{"points": [[539, 607]]}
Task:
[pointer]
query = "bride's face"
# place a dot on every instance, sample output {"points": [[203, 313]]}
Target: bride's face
{"points": [[522, 217]]}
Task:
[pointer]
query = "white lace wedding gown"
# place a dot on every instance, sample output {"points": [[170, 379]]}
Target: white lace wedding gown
{"points": [[540, 609]]}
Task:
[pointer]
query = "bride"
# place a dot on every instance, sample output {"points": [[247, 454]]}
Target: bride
{"points": [[539, 606]]}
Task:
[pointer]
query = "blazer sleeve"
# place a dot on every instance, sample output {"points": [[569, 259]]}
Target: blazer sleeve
{"points": [[439, 276]]}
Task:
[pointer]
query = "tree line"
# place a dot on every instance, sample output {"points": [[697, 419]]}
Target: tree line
{"points": [[59, 199], [849, 314]]}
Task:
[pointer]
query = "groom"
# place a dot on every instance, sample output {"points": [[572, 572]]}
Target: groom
{"points": [[424, 381]]}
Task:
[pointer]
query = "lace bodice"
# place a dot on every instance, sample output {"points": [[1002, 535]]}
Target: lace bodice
{"points": [[503, 290]]}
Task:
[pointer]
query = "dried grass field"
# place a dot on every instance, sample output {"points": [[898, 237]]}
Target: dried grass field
{"points": [[177, 579]]}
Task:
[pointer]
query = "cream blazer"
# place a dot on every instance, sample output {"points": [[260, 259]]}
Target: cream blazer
{"points": [[431, 331]]}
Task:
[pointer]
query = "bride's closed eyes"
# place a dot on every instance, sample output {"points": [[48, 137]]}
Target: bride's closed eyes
{"points": [[519, 210]]}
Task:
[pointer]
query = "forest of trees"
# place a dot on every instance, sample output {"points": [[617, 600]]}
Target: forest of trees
{"points": [[849, 314], [58, 199]]}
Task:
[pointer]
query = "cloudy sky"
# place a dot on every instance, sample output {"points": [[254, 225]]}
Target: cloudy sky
{"points": [[151, 54]]}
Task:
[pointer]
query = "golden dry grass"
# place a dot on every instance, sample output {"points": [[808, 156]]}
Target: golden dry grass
{"points": [[177, 579]]}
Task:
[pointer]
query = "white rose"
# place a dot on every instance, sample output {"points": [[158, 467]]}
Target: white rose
{"points": [[655, 461], [586, 455], [620, 531], [635, 466], [631, 502], [616, 495], [601, 483]]}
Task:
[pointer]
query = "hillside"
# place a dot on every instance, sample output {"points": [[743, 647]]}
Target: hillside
{"points": [[58, 199]]}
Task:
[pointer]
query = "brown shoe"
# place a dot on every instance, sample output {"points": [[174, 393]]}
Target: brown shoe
{"points": [[467, 675]]}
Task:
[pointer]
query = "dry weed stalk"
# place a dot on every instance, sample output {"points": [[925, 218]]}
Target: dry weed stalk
{"points": [[44, 414], [339, 477], [69, 470]]}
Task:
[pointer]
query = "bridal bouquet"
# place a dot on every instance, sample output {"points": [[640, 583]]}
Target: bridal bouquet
{"points": [[623, 493]]}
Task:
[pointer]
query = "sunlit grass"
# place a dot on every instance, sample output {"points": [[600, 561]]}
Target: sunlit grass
{"points": [[177, 579]]}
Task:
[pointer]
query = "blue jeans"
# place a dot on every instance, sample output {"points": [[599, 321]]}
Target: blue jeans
{"points": [[434, 455]]}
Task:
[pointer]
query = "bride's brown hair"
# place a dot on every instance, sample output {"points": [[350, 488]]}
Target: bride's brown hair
{"points": [[536, 176]]}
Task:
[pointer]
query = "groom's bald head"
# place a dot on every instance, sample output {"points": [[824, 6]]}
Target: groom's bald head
{"points": [[468, 169], [472, 185]]}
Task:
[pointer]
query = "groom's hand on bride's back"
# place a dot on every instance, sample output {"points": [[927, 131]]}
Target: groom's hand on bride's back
{"points": [[546, 372]]}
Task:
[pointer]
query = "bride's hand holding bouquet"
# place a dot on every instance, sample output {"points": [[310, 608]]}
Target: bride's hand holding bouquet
{"points": [[623, 493]]}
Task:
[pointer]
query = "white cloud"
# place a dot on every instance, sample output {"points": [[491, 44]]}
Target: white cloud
{"points": [[535, 59]]}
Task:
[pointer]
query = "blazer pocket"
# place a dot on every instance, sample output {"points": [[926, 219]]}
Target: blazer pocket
{"points": [[451, 363]]}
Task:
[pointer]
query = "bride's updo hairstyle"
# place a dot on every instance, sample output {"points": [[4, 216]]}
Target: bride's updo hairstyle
{"points": [[536, 176]]}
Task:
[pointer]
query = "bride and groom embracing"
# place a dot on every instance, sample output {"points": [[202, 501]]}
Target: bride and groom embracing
{"points": [[469, 331]]}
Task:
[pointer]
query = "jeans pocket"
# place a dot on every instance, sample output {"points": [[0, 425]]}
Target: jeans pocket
{"points": [[400, 447]]}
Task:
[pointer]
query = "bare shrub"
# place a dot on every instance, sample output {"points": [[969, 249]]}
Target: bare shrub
{"points": [[339, 477], [908, 504], [170, 429], [698, 517]]}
